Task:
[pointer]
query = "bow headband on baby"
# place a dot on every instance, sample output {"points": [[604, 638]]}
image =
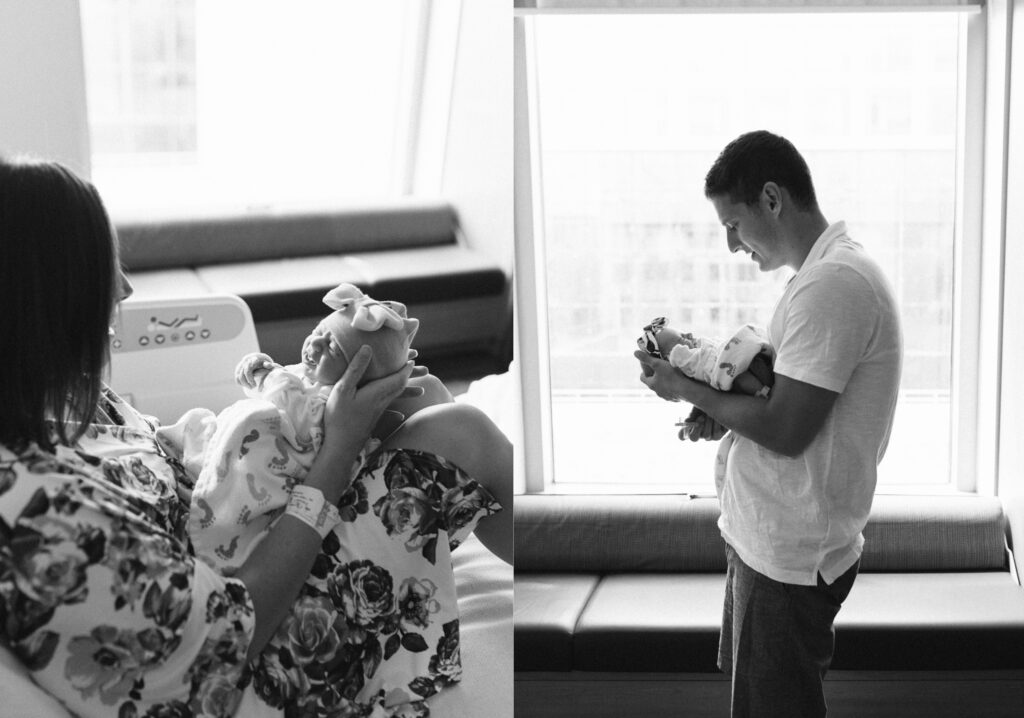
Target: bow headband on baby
{"points": [[648, 342], [370, 315]]}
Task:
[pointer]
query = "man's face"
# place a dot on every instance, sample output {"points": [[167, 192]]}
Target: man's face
{"points": [[321, 352], [752, 229]]}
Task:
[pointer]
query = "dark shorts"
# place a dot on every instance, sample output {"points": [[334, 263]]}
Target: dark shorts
{"points": [[777, 641]]}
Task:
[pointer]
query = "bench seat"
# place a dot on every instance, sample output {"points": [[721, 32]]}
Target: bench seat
{"points": [[282, 265], [670, 622], [633, 589]]}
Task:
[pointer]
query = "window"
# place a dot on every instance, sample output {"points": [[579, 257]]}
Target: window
{"points": [[142, 71], [628, 112], [237, 105]]}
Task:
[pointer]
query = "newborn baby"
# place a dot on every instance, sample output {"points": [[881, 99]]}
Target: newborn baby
{"points": [[743, 363], [248, 458], [326, 353]]}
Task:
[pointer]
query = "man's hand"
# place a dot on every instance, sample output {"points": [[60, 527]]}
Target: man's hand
{"points": [[699, 426], [662, 378], [672, 385]]}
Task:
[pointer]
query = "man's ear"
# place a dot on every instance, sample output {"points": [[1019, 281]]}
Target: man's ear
{"points": [[771, 198]]}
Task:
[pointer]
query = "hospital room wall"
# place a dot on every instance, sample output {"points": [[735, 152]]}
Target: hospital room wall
{"points": [[477, 175], [42, 82]]}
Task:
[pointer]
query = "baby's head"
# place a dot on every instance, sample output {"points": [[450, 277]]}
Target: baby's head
{"points": [[357, 320], [658, 339]]}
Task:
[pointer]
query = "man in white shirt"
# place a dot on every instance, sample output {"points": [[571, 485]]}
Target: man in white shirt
{"points": [[797, 472]]}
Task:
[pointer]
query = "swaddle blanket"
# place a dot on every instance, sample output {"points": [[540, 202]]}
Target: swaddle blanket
{"points": [[246, 460], [718, 364]]}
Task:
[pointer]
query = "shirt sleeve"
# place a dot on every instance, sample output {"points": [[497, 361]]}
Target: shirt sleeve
{"points": [[112, 614], [829, 321]]}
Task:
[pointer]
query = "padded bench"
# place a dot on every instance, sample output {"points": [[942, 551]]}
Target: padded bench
{"points": [[281, 265], [618, 603]]}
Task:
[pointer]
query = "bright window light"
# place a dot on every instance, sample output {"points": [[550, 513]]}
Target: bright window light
{"points": [[249, 104], [631, 112]]}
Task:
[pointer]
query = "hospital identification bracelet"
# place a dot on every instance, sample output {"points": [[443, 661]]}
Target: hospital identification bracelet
{"points": [[309, 506]]}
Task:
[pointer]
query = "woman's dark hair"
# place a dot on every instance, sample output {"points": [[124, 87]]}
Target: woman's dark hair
{"points": [[58, 279], [751, 160]]}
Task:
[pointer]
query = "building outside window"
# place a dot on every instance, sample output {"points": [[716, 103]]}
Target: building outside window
{"points": [[630, 111]]}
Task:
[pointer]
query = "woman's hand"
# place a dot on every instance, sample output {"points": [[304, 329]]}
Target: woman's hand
{"points": [[352, 411]]}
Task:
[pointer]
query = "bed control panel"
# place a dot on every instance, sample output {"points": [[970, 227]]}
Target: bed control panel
{"points": [[145, 326], [171, 355]]}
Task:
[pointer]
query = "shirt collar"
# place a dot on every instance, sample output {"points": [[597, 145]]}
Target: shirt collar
{"points": [[823, 243]]}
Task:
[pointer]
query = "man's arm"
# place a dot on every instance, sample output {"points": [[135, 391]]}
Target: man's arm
{"points": [[786, 422]]}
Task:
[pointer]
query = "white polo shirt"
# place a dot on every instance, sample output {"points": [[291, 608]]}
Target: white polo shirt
{"points": [[836, 326]]}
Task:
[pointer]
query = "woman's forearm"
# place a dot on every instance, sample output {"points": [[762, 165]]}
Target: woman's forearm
{"points": [[276, 569], [279, 565]]}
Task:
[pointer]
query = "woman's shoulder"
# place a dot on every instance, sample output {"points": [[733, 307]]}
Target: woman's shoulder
{"points": [[35, 480], [89, 577], [109, 472]]}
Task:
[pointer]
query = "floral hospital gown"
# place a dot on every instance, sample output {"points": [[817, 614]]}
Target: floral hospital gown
{"points": [[375, 631], [102, 598]]}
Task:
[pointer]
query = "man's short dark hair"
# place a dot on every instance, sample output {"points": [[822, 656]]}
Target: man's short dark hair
{"points": [[754, 158]]}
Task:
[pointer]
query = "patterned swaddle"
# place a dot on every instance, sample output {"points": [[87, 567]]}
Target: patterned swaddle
{"points": [[707, 360]]}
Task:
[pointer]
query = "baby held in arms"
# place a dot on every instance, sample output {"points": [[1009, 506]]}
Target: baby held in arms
{"points": [[381, 596], [742, 363], [247, 457]]}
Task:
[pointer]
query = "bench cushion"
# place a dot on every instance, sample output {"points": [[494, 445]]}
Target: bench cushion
{"points": [[931, 621], [651, 622], [162, 243], [547, 608], [291, 288], [935, 533], [602, 534]]}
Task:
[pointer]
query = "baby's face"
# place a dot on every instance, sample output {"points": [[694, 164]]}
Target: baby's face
{"points": [[322, 353]]}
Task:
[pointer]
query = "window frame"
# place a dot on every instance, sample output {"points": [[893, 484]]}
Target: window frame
{"points": [[979, 227]]}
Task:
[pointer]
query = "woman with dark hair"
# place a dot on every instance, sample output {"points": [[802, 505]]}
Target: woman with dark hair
{"points": [[101, 596]]}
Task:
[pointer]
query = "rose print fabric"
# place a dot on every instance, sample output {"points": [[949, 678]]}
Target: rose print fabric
{"points": [[100, 595], [375, 631], [102, 598]]}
